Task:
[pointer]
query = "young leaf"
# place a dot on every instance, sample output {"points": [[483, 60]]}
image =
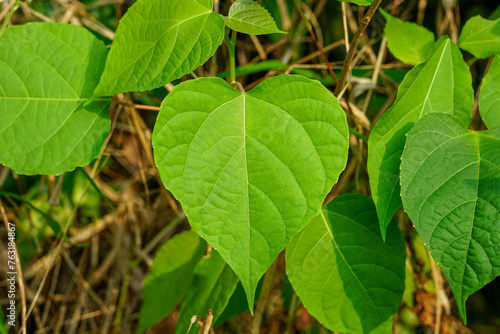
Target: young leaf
{"points": [[49, 71], [170, 278], [480, 37], [489, 98], [250, 170], [450, 181], [345, 274], [442, 84], [248, 17], [158, 41], [213, 286], [407, 41]]}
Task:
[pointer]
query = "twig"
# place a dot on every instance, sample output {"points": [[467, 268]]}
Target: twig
{"points": [[354, 46], [318, 45]]}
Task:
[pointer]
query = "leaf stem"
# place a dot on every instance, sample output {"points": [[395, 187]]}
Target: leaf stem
{"points": [[231, 45], [7, 19]]}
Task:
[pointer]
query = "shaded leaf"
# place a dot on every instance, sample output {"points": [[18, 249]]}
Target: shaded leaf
{"points": [[407, 41], [248, 17], [213, 286], [250, 170], [158, 41], [170, 278], [480, 37], [343, 272], [489, 97], [443, 84], [450, 181], [48, 71]]}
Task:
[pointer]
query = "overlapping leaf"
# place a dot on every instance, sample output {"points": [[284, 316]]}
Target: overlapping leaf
{"points": [[170, 278], [344, 273], [442, 84], [250, 170], [158, 41], [489, 99], [407, 41], [450, 180], [48, 71], [213, 286], [248, 17], [480, 37]]}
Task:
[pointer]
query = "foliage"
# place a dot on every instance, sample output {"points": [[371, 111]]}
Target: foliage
{"points": [[254, 167]]}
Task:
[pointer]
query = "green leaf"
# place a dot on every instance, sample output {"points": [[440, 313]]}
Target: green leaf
{"points": [[170, 278], [480, 37], [489, 98], [359, 2], [250, 170], [407, 41], [158, 41], [343, 272], [442, 84], [248, 17], [450, 181], [48, 71], [213, 286]]}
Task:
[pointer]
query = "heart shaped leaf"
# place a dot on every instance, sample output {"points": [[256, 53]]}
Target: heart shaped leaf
{"points": [[248, 17], [489, 99], [450, 181], [442, 84], [480, 37], [343, 272], [158, 41], [213, 286], [250, 170], [170, 278], [48, 72], [407, 41]]}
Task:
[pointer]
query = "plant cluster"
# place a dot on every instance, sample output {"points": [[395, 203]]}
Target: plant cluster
{"points": [[252, 169]]}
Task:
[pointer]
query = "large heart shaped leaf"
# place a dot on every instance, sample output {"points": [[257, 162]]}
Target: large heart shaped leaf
{"points": [[481, 37], [442, 84], [248, 17], [213, 286], [407, 41], [450, 180], [171, 275], [158, 41], [489, 99], [250, 170], [343, 272], [48, 71]]}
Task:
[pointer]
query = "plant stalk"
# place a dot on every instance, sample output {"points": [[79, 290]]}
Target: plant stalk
{"points": [[231, 45], [354, 46]]}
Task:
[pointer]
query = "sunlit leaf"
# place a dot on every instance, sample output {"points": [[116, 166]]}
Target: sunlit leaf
{"points": [[158, 41], [443, 84], [48, 72], [480, 37], [489, 97], [250, 170], [248, 17], [450, 181], [344, 273], [407, 41]]}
